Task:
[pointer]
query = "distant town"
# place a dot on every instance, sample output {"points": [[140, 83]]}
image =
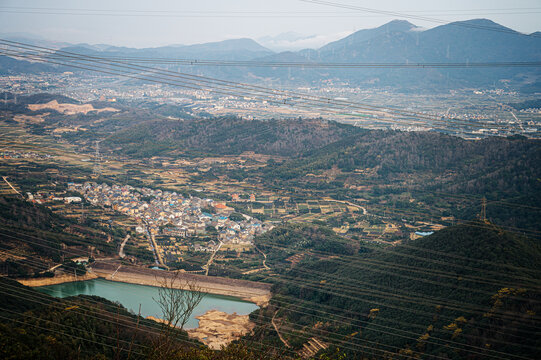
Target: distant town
{"points": [[500, 119]]}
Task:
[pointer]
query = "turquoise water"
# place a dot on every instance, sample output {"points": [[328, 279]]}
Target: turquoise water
{"points": [[131, 295]]}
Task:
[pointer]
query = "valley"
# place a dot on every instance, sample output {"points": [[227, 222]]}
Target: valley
{"points": [[374, 197]]}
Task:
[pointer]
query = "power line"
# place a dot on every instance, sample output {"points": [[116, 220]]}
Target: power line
{"points": [[253, 14], [334, 313], [259, 322], [246, 16], [39, 319], [253, 11], [349, 322], [328, 105], [369, 268], [290, 98], [296, 299], [303, 65], [61, 332], [416, 257], [397, 329], [320, 101], [355, 347], [418, 17], [355, 296]]}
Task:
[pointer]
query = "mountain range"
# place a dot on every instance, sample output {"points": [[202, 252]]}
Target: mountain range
{"points": [[399, 41]]}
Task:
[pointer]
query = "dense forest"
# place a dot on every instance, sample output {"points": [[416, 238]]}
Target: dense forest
{"points": [[393, 154], [226, 136], [31, 234], [469, 291]]}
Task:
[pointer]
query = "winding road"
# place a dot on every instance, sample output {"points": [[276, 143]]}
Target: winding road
{"points": [[277, 331], [264, 258], [11, 186], [207, 266], [121, 253]]}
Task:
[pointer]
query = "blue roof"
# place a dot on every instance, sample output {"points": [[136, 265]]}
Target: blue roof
{"points": [[421, 233]]}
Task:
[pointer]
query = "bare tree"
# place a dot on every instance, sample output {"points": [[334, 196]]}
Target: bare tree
{"points": [[177, 306]]}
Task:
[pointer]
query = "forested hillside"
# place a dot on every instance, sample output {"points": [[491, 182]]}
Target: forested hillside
{"points": [[430, 167], [228, 135], [470, 291], [34, 239], [458, 165]]}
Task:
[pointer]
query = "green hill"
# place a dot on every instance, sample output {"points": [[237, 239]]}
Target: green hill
{"points": [[226, 136], [31, 234], [393, 154], [37, 326], [469, 291]]}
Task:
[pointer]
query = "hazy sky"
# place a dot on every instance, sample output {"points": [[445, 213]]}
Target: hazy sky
{"points": [[138, 23]]}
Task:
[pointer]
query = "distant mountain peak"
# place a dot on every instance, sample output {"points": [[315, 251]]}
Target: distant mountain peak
{"points": [[395, 26], [241, 41], [398, 25], [241, 44], [482, 23]]}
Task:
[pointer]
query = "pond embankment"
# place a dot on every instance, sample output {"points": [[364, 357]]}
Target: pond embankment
{"points": [[60, 279], [258, 293]]}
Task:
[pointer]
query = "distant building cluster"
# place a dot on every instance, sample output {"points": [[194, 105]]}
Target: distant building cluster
{"points": [[496, 120], [12, 154], [42, 197], [168, 213]]}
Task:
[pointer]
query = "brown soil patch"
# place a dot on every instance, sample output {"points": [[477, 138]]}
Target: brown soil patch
{"points": [[217, 328], [30, 119], [68, 109], [56, 280]]}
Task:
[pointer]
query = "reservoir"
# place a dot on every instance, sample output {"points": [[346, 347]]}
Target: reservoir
{"points": [[131, 295]]}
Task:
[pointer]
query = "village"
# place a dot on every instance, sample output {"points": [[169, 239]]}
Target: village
{"points": [[168, 214]]}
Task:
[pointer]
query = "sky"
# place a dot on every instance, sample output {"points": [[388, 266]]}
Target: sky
{"points": [[143, 23]]}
